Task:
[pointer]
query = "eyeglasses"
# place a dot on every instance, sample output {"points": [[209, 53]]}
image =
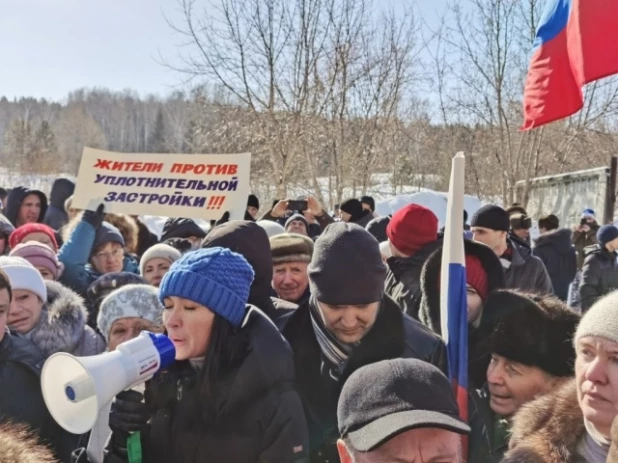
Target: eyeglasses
{"points": [[116, 253]]}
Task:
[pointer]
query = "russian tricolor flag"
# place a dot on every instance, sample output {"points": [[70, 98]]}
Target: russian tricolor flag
{"points": [[576, 43], [453, 300]]}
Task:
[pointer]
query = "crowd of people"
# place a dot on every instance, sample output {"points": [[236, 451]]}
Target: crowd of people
{"points": [[306, 336]]}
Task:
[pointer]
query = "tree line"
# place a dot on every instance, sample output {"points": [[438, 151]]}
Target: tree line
{"points": [[341, 89]]}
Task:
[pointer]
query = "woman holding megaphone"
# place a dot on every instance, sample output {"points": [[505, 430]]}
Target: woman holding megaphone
{"points": [[229, 397]]}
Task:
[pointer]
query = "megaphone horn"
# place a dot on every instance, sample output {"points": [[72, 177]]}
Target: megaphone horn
{"points": [[76, 388]]}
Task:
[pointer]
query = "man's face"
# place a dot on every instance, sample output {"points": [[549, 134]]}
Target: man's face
{"points": [[366, 207], [297, 226], [492, 238], [349, 323], [253, 211], [421, 445], [30, 210], [513, 384], [522, 233], [290, 280], [345, 216]]}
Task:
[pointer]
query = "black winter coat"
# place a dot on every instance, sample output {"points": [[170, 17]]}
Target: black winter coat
{"points": [[560, 259], [21, 399], [394, 335], [599, 275], [145, 237], [56, 217], [403, 279], [260, 414], [250, 241]]}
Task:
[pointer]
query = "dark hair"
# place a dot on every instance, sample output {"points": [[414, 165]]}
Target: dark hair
{"points": [[549, 222], [5, 283], [227, 349], [3, 193], [275, 202], [516, 208]]}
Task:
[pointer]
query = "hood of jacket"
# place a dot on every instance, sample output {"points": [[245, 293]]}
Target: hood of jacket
{"points": [[19, 350], [250, 241], [429, 313], [62, 322], [60, 192], [401, 265], [559, 240], [548, 429], [16, 197]]}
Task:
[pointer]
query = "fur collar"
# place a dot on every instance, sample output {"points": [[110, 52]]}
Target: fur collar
{"points": [[62, 322], [548, 429]]}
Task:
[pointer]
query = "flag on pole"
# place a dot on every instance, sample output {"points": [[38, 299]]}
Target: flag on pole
{"points": [[575, 44], [453, 300]]}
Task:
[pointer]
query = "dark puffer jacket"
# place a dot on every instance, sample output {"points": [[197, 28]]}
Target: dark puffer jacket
{"points": [[429, 314], [394, 335], [560, 259], [16, 197], [21, 399], [599, 275], [584, 239], [403, 279], [56, 217], [260, 415], [251, 241]]}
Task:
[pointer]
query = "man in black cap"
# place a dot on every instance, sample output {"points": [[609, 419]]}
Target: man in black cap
{"points": [[347, 323], [369, 204], [352, 211], [399, 410], [490, 225], [253, 206]]}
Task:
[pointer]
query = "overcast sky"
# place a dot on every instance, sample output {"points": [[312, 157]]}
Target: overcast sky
{"points": [[50, 47]]}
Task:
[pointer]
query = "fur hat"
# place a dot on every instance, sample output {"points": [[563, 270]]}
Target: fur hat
{"points": [[533, 330], [18, 444], [129, 301], [128, 228], [291, 247]]}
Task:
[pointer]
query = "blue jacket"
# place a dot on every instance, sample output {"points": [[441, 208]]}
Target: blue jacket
{"points": [[75, 255]]}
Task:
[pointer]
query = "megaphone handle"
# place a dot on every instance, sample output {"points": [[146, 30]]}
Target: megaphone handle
{"points": [[134, 447]]}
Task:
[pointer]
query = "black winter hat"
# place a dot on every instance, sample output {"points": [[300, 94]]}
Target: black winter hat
{"points": [[178, 227], [347, 267], [492, 217], [353, 207], [253, 201], [297, 217], [377, 227], [533, 330], [369, 201], [105, 284]]}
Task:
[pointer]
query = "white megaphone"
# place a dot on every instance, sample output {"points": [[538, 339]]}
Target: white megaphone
{"points": [[76, 388]]}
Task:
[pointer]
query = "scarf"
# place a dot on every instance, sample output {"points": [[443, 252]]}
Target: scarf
{"points": [[335, 353], [593, 447]]}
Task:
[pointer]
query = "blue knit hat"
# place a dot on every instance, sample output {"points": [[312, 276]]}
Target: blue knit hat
{"points": [[107, 233], [216, 278], [606, 234]]}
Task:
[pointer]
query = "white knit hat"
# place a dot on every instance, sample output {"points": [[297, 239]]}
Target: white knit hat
{"points": [[23, 275], [159, 251], [139, 301], [271, 228], [601, 320]]}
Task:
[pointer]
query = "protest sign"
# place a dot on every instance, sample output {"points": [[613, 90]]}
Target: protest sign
{"points": [[199, 186]]}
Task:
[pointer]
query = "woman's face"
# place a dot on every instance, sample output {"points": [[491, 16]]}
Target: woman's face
{"points": [[25, 311], [40, 237], [155, 269], [596, 373], [188, 325], [125, 329], [475, 304], [108, 258], [45, 273], [2, 244]]}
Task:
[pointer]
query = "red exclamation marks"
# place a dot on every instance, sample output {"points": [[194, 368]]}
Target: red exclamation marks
{"points": [[215, 202]]}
